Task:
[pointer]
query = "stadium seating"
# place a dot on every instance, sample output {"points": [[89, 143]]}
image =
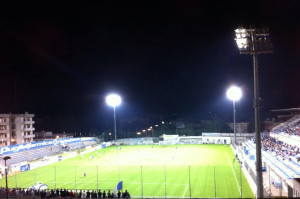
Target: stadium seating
{"points": [[277, 164], [290, 127], [34, 154]]}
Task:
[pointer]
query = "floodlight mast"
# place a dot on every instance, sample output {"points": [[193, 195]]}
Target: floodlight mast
{"points": [[114, 100], [255, 42], [234, 93]]}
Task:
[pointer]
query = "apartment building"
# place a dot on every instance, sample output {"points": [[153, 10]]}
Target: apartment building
{"points": [[16, 129]]}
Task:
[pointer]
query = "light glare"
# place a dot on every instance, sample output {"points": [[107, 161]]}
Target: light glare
{"points": [[113, 100], [234, 93]]}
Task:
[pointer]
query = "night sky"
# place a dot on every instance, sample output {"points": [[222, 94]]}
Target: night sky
{"points": [[59, 59]]}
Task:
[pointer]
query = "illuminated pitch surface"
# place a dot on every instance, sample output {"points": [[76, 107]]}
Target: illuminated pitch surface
{"points": [[163, 170]]}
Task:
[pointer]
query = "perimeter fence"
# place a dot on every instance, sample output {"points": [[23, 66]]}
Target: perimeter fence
{"points": [[221, 181]]}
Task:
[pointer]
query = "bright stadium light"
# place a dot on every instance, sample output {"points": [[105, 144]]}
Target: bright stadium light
{"points": [[114, 100], [234, 93], [242, 40]]}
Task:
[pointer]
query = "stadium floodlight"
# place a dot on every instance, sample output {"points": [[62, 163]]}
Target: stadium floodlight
{"points": [[109, 135], [114, 100], [162, 122], [5, 159], [156, 125], [144, 130], [254, 42], [234, 93]]}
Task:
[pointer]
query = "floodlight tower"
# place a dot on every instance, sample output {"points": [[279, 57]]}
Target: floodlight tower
{"points": [[254, 42], [114, 100], [234, 93]]}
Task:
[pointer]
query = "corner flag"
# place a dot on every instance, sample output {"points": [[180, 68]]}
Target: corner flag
{"points": [[118, 188]]}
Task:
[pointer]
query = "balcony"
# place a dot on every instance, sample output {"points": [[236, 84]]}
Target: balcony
{"points": [[4, 139], [29, 129], [4, 131], [4, 123], [29, 122], [29, 136]]}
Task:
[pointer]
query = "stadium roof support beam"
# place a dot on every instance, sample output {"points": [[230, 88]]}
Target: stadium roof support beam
{"points": [[254, 42]]}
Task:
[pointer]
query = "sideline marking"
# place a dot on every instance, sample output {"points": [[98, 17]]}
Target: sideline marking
{"points": [[185, 190], [233, 172]]}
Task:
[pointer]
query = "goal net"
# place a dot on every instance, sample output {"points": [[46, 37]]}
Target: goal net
{"points": [[169, 142]]}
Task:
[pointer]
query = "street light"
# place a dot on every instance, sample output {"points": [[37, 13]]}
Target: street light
{"points": [[254, 42], [5, 159], [234, 93], [114, 100], [151, 129], [109, 135], [148, 130]]}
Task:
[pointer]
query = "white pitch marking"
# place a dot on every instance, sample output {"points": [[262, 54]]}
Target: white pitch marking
{"points": [[233, 172], [187, 185]]}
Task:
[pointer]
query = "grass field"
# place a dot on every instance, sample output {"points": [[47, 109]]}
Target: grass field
{"points": [[202, 171]]}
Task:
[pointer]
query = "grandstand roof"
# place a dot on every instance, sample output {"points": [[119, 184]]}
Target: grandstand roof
{"points": [[286, 110]]}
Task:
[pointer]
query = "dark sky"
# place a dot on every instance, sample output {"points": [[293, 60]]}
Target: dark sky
{"points": [[59, 59]]}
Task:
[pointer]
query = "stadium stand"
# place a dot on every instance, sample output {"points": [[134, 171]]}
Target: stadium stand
{"points": [[38, 153], [290, 127], [280, 153]]}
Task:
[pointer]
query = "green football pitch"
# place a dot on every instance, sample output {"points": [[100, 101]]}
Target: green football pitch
{"points": [[204, 171]]}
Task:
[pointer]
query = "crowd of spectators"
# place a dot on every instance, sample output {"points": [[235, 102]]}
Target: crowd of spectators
{"points": [[290, 128], [61, 193], [280, 149]]}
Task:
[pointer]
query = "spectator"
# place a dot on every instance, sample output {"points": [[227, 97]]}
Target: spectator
{"points": [[99, 194]]}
